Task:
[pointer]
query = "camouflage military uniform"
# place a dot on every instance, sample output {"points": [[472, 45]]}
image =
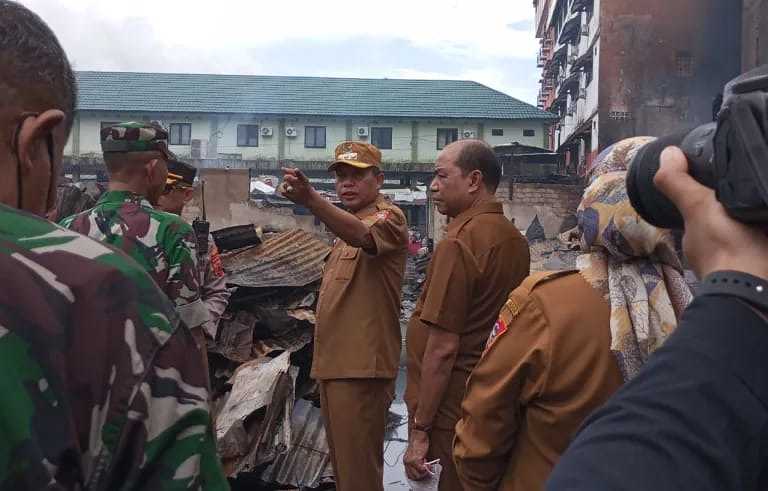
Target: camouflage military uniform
{"points": [[98, 390], [162, 243]]}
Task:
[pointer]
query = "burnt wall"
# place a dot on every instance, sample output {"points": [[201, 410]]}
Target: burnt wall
{"points": [[755, 34], [663, 62]]}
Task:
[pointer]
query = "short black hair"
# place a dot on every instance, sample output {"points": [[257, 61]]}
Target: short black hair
{"points": [[478, 155], [35, 69]]}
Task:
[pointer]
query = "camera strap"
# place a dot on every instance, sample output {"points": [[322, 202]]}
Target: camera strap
{"points": [[737, 284]]}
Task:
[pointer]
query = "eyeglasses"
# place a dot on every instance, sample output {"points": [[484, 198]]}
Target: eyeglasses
{"points": [[15, 149]]}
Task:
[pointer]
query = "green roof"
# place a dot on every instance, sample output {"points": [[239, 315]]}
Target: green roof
{"points": [[271, 95]]}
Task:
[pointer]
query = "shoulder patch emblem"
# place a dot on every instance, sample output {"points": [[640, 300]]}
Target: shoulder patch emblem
{"points": [[508, 312], [498, 329], [216, 265], [382, 215]]}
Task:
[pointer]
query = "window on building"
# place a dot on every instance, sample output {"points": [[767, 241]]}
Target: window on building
{"points": [[684, 62], [314, 136], [247, 135], [529, 133], [181, 133], [446, 136], [497, 132], [382, 138], [589, 75]]}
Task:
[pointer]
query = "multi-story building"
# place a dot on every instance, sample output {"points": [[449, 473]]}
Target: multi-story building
{"points": [[245, 121], [618, 68], [755, 51]]}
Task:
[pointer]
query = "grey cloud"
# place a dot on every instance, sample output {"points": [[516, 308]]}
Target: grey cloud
{"points": [[134, 44]]}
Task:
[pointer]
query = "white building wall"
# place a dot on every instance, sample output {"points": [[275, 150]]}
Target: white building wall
{"points": [[513, 132], [335, 133], [227, 133], [220, 132]]}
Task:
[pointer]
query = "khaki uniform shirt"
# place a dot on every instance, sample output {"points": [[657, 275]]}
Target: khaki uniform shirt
{"points": [[548, 365], [482, 258], [358, 312]]}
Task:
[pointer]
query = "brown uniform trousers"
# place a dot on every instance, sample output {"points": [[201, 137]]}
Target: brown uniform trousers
{"points": [[357, 346], [480, 260], [355, 414], [547, 366]]}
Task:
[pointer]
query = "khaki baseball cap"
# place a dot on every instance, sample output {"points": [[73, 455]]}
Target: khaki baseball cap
{"points": [[357, 154]]}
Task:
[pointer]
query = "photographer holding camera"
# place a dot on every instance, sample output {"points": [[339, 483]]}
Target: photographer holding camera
{"points": [[696, 415]]}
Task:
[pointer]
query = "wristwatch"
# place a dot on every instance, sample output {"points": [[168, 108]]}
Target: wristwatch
{"points": [[744, 286]]}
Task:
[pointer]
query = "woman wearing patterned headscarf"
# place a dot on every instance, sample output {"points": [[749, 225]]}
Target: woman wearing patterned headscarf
{"points": [[631, 263], [566, 341]]}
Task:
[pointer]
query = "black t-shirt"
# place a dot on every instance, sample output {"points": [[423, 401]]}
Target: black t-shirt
{"points": [[696, 417]]}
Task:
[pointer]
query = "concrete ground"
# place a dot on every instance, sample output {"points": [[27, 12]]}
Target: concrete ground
{"points": [[396, 443]]}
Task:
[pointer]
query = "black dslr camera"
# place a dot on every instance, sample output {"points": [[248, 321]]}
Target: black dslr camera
{"points": [[729, 156]]}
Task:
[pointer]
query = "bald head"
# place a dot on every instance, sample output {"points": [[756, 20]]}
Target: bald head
{"points": [[473, 155], [36, 74]]}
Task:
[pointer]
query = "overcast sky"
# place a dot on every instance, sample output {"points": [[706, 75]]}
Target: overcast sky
{"points": [[488, 41]]}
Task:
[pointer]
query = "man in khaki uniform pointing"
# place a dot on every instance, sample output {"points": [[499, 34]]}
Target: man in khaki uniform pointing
{"points": [[357, 338]]}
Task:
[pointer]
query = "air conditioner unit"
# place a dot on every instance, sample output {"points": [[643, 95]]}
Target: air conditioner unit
{"points": [[362, 131], [266, 131], [466, 134], [291, 132]]}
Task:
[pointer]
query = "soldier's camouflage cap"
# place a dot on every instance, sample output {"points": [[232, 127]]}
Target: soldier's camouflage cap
{"points": [[136, 137], [181, 174]]}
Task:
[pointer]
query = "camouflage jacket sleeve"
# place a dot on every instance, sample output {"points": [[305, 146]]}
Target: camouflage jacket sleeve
{"points": [[214, 288], [67, 222], [169, 428], [98, 388], [183, 283]]}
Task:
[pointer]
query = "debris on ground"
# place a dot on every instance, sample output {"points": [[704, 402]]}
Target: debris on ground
{"points": [[415, 276], [552, 255], [265, 404], [72, 198]]}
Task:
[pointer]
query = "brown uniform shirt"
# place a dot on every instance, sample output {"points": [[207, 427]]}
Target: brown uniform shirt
{"points": [[482, 258], [358, 312], [548, 365]]}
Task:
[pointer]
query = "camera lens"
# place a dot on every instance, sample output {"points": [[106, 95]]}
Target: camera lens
{"points": [[648, 201]]}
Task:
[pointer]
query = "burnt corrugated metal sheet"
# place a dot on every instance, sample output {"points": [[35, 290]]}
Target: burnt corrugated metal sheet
{"points": [[294, 258], [307, 462]]}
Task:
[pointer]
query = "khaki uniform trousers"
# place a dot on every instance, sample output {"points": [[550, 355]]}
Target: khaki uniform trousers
{"points": [[355, 416]]}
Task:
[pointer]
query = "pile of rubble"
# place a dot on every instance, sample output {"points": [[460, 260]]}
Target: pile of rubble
{"points": [[268, 422], [72, 198], [415, 275], [552, 255]]}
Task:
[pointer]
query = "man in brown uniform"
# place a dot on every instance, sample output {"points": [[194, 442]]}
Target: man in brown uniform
{"points": [[357, 337], [480, 260], [548, 365]]}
